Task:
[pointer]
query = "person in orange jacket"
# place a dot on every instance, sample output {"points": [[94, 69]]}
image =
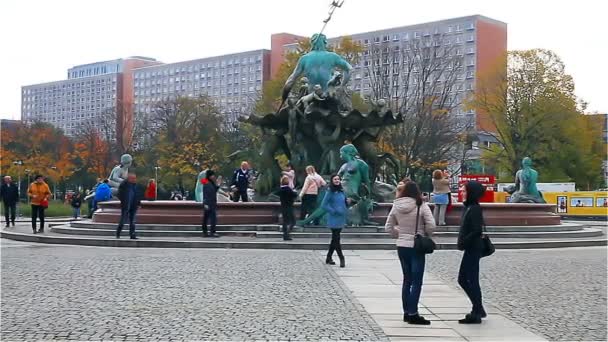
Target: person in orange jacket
{"points": [[39, 194]]}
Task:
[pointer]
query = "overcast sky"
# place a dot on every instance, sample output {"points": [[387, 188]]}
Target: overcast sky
{"points": [[41, 39]]}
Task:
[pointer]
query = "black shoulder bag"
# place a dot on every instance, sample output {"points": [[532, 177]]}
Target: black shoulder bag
{"points": [[487, 245], [422, 244]]}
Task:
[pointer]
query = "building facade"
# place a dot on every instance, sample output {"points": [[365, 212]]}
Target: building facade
{"points": [[233, 81], [134, 85], [90, 91]]}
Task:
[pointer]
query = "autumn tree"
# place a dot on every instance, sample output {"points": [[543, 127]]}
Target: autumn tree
{"points": [[533, 111], [186, 138]]}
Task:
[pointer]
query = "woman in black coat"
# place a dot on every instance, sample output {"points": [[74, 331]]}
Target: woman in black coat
{"points": [[470, 241]]}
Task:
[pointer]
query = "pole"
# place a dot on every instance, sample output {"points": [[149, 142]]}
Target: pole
{"points": [[156, 187]]}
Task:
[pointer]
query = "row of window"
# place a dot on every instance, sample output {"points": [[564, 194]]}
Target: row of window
{"points": [[164, 71], [56, 89], [419, 34]]}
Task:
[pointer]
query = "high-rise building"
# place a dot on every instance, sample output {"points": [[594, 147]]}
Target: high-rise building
{"points": [[90, 91], [234, 81]]}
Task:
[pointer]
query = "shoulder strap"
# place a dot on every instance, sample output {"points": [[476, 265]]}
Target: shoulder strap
{"points": [[417, 218]]}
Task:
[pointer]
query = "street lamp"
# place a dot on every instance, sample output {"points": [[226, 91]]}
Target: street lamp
{"points": [[156, 168], [54, 184], [27, 172], [19, 163]]}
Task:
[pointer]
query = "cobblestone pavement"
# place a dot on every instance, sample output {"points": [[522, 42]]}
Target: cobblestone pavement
{"points": [[83, 293], [558, 293]]}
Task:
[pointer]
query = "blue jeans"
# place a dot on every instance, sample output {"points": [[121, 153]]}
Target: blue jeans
{"points": [[468, 278], [412, 265], [76, 212], [127, 214]]}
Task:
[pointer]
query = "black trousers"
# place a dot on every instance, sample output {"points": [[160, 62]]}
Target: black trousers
{"points": [[127, 214], [240, 194], [468, 278], [210, 218], [289, 220], [335, 244], [37, 212], [12, 208], [309, 204]]}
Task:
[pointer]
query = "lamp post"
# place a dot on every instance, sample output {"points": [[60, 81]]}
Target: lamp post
{"points": [[19, 163], [54, 184], [156, 168], [27, 172]]}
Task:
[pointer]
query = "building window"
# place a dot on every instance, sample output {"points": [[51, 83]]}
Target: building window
{"points": [[395, 37]]}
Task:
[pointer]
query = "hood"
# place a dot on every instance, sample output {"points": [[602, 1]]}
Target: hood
{"points": [[404, 205], [475, 191]]}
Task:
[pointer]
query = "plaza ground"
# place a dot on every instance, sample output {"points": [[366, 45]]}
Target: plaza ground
{"points": [[91, 293]]}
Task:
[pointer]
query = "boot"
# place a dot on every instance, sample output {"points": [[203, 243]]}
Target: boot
{"points": [[213, 234], [417, 320], [329, 260], [342, 262], [479, 312]]}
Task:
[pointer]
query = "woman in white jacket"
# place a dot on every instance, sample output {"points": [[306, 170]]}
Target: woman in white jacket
{"points": [[401, 223]]}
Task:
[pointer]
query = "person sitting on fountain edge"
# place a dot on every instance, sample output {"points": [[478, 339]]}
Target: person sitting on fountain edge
{"points": [[240, 182]]}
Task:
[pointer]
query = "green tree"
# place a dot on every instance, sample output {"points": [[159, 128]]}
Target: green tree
{"points": [[531, 110]]}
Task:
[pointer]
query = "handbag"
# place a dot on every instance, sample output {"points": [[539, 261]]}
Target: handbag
{"points": [[422, 244], [44, 203], [487, 245]]}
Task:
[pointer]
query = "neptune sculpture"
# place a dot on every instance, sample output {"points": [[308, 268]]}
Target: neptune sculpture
{"points": [[525, 190]]}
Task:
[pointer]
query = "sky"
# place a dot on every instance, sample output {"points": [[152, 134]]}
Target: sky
{"points": [[41, 39]]}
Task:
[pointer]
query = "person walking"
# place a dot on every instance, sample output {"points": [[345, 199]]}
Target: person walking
{"points": [[310, 191], [441, 196], [210, 204], [39, 194], [470, 241], [334, 204], [410, 216], [10, 196], [150, 193], [130, 199], [287, 196], [76, 203], [290, 174]]}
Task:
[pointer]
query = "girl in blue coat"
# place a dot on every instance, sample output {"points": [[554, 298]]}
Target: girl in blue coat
{"points": [[334, 203]]}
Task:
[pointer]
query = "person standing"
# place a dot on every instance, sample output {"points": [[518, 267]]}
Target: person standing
{"points": [[10, 196], [334, 204], [39, 194], [441, 196], [310, 191], [130, 199], [150, 193], [76, 203], [287, 196], [470, 241], [290, 174], [240, 182], [409, 216], [210, 204]]}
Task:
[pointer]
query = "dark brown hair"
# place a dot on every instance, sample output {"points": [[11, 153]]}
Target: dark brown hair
{"points": [[409, 189], [437, 174]]}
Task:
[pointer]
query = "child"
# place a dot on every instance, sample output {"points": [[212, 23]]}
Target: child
{"points": [[287, 196], [76, 203]]}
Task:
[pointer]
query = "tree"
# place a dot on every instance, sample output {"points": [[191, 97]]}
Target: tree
{"points": [[532, 111], [423, 80], [187, 137]]}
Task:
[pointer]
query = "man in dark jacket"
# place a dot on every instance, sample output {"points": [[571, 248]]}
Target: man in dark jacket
{"points": [[210, 204], [240, 182], [10, 196], [287, 196], [130, 196]]}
